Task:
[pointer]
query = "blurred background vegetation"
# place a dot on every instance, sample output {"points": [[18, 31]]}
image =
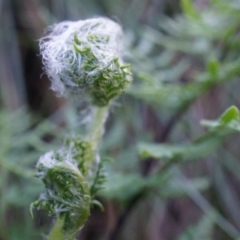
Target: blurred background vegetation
{"points": [[171, 178]]}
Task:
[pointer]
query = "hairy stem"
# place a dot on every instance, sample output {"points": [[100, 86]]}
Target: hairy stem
{"points": [[57, 233], [97, 127], [95, 134]]}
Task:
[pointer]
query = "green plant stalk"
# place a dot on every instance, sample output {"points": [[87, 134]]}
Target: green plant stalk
{"points": [[95, 134], [3, 206], [56, 232], [97, 127]]}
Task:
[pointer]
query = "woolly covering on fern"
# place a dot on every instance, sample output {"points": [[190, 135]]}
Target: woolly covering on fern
{"points": [[83, 59]]}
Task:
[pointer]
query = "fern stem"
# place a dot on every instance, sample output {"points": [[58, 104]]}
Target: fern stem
{"points": [[57, 233], [97, 127], [95, 134]]}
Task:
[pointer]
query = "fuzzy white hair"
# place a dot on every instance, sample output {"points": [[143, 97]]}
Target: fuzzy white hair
{"points": [[69, 46]]}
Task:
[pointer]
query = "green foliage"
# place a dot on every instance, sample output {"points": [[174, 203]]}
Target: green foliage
{"points": [[228, 123], [206, 38], [97, 185], [67, 194], [83, 60], [165, 185], [80, 58], [99, 179], [71, 183], [175, 96], [111, 80], [231, 114], [20, 143], [202, 230], [186, 58], [186, 68], [189, 9], [111, 83]]}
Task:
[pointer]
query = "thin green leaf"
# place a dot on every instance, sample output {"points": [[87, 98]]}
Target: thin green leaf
{"points": [[202, 230]]}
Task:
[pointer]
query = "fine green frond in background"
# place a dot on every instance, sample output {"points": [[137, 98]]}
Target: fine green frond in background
{"points": [[228, 123], [184, 56], [202, 230]]}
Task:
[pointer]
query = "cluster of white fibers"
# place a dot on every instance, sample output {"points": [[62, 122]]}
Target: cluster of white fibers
{"points": [[76, 53], [50, 160]]}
